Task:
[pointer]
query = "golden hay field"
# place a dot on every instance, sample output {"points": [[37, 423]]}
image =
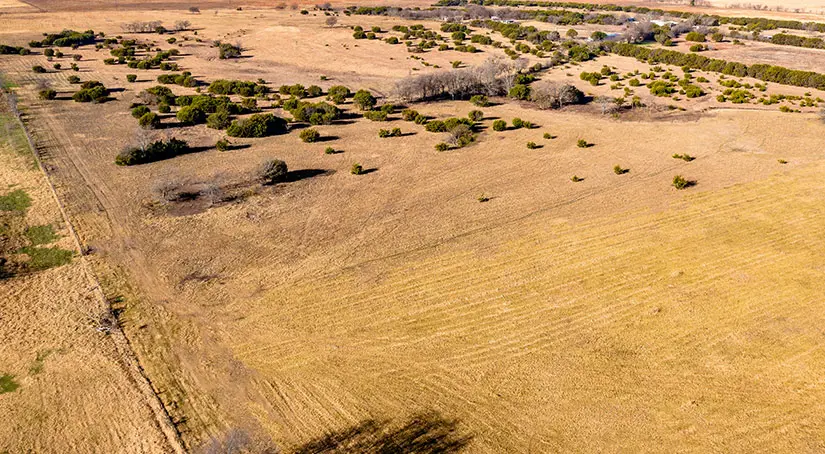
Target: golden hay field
{"points": [[613, 314]]}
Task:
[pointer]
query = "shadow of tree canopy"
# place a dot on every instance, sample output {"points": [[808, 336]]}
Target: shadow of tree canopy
{"points": [[425, 433]]}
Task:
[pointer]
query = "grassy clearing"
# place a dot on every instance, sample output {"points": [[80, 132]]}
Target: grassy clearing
{"points": [[41, 258], [41, 234], [17, 200]]}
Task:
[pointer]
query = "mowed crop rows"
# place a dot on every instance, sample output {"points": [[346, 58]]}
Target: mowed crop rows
{"points": [[676, 329]]}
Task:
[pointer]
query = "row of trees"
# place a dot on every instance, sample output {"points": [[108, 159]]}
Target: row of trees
{"points": [[768, 73], [711, 19]]}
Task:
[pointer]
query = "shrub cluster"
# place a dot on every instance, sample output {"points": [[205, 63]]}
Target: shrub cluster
{"points": [[91, 90], [338, 94], [237, 87], [320, 113], [258, 125], [448, 124], [384, 133], [155, 151], [13, 50], [66, 38], [184, 80]]}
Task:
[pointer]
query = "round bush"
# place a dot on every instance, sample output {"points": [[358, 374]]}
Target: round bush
{"points": [[499, 125], [189, 115], [140, 111], [131, 77], [149, 121], [272, 171], [310, 135]]}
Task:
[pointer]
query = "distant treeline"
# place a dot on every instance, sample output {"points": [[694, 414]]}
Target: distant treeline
{"points": [[750, 22], [768, 73]]}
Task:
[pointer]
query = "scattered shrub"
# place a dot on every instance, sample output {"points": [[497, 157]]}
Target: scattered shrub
{"points": [[91, 90], [475, 115], [518, 123], [314, 91], [338, 94], [679, 182], [330, 150], [409, 114], [38, 69], [222, 145], [73, 79], [499, 125], [140, 111], [581, 143], [684, 157], [226, 50], [576, 179], [149, 120], [218, 120], [618, 170], [47, 94], [131, 77], [272, 171], [190, 115], [164, 108], [356, 169], [480, 101], [442, 146], [532, 145], [310, 135], [364, 100], [375, 115]]}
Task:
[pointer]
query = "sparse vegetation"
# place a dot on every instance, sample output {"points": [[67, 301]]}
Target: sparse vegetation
{"points": [[679, 182]]}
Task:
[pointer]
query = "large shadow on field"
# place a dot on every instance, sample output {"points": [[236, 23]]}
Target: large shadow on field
{"points": [[426, 433]]}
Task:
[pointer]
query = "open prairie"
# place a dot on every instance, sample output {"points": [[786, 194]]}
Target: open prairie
{"points": [[546, 285]]}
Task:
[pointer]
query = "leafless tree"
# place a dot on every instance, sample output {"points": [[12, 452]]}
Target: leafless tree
{"points": [[638, 32], [551, 95], [606, 103], [454, 135], [142, 27], [194, 10], [293, 6], [182, 25], [331, 21]]}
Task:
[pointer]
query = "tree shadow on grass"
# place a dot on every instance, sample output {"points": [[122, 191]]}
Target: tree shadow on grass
{"points": [[426, 433], [303, 174]]}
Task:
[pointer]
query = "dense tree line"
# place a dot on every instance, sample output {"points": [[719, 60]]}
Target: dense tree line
{"points": [[66, 38], [750, 22], [768, 73], [237, 87], [9, 50], [798, 41]]}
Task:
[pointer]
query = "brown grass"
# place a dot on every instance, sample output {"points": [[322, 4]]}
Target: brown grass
{"points": [[615, 314]]}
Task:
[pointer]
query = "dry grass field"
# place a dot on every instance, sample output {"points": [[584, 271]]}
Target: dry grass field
{"points": [[394, 309], [66, 386]]}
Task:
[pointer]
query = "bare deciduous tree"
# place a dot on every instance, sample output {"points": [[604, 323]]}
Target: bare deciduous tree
{"points": [[552, 95], [331, 21], [182, 25]]}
